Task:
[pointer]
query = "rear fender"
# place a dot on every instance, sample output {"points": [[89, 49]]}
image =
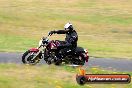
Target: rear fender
{"points": [[85, 55], [34, 50]]}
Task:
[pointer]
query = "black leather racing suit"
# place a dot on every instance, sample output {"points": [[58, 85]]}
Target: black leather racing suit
{"points": [[69, 44]]}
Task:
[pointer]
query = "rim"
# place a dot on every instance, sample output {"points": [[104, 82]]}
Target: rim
{"points": [[28, 58]]}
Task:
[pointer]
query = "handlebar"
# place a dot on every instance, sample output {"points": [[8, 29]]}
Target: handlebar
{"points": [[49, 35]]}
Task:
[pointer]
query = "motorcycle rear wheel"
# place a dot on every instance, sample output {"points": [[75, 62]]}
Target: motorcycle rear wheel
{"points": [[80, 60], [58, 62]]}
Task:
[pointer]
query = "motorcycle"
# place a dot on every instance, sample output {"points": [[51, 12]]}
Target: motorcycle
{"points": [[47, 50]]}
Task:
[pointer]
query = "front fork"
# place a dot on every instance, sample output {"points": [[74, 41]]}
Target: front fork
{"points": [[37, 57]]}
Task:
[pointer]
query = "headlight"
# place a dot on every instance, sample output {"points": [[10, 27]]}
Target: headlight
{"points": [[40, 42]]}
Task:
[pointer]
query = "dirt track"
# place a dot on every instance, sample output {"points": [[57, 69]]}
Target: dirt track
{"points": [[116, 64]]}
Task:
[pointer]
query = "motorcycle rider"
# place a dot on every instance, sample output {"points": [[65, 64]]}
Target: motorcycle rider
{"points": [[70, 42]]}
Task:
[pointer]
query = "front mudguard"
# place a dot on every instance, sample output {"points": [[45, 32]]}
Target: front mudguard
{"points": [[35, 50]]}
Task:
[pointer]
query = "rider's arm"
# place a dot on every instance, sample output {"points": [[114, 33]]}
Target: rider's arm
{"points": [[58, 32], [61, 31]]}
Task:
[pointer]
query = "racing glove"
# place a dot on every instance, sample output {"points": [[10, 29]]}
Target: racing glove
{"points": [[51, 32]]}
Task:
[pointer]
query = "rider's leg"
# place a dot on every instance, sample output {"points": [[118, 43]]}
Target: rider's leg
{"points": [[64, 50]]}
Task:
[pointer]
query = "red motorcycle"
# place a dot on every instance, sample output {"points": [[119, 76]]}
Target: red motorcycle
{"points": [[47, 50]]}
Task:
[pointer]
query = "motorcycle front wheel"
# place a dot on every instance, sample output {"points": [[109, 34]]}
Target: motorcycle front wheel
{"points": [[28, 58]]}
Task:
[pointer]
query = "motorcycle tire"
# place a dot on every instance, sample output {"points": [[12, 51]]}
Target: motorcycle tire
{"points": [[28, 60], [80, 61], [24, 57], [58, 62]]}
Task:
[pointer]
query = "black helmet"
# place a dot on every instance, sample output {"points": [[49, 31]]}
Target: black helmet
{"points": [[68, 26]]}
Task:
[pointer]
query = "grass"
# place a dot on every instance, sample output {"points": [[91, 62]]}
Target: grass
{"points": [[21, 76], [104, 27], [11, 43]]}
